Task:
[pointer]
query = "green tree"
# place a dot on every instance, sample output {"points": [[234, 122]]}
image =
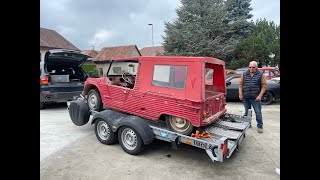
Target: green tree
{"points": [[260, 44], [237, 25], [208, 28]]}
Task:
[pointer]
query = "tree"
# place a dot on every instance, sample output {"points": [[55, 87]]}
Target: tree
{"points": [[208, 28], [260, 44], [237, 25]]}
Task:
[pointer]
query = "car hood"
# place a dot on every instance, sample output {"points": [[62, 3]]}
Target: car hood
{"points": [[64, 56]]}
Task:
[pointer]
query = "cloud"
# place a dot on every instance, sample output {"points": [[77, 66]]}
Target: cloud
{"points": [[121, 22], [100, 38]]}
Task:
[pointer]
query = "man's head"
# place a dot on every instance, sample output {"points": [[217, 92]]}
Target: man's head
{"points": [[253, 66]]}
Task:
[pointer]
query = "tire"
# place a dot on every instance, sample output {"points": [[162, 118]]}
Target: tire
{"points": [[79, 112], [130, 140], [103, 132], [179, 125], [267, 98], [94, 100], [42, 106]]}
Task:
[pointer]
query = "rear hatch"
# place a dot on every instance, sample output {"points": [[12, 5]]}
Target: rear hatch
{"points": [[63, 56], [63, 71], [215, 91]]}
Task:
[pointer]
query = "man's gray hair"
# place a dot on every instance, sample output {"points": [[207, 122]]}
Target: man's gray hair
{"points": [[255, 63]]}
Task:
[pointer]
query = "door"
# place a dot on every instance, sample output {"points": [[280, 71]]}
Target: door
{"points": [[118, 94]]}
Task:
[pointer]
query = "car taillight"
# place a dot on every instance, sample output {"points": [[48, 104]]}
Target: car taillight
{"points": [[44, 80], [224, 148]]}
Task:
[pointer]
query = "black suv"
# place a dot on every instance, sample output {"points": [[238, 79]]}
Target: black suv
{"points": [[61, 76]]}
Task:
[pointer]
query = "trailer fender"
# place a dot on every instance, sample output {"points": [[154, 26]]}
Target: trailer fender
{"points": [[140, 125], [112, 117]]}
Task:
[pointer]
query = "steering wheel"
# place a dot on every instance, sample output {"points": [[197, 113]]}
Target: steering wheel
{"points": [[126, 78]]}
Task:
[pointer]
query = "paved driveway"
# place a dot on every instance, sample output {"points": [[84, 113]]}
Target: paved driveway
{"points": [[71, 152]]}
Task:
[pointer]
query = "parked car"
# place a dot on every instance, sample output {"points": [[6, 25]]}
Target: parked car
{"points": [[61, 77], [241, 70], [171, 90], [270, 72], [271, 94], [230, 71], [209, 75]]}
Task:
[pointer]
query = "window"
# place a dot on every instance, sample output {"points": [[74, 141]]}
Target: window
{"points": [[209, 76], [101, 71], [275, 73], [266, 73], [169, 76], [117, 70]]}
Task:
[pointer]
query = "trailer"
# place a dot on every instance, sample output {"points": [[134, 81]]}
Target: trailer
{"points": [[219, 139]]}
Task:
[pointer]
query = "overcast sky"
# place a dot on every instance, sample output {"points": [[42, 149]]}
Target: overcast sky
{"points": [[104, 23]]}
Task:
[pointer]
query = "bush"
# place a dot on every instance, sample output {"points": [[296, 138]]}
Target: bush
{"points": [[91, 69]]}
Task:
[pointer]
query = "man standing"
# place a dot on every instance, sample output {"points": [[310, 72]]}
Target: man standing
{"points": [[251, 88]]}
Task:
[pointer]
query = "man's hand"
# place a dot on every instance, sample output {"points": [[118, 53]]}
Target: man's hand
{"points": [[258, 98], [240, 97]]}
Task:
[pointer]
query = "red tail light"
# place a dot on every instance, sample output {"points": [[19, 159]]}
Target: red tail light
{"points": [[224, 149], [44, 80]]}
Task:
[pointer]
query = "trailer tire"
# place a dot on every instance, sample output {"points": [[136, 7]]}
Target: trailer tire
{"points": [[79, 112], [130, 140], [104, 132]]}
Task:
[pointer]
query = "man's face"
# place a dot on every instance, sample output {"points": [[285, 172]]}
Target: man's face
{"points": [[252, 67]]}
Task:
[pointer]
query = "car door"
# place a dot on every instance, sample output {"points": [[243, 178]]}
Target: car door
{"points": [[233, 88]]}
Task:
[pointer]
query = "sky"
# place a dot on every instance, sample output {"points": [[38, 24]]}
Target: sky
{"points": [[89, 24]]}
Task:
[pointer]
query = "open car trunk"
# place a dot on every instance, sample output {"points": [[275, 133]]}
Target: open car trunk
{"points": [[215, 89], [65, 78]]}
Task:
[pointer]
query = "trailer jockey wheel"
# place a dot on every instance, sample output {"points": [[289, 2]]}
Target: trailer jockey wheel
{"points": [[130, 140], [103, 132], [179, 125]]}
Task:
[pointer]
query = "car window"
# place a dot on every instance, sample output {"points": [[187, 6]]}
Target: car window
{"points": [[275, 73], [169, 76], [266, 73], [209, 76], [235, 80]]}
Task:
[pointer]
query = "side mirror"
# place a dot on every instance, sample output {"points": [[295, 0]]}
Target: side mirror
{"points": [[228, 83]]}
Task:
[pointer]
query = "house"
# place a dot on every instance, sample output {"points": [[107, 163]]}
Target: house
{"points": [[152, 51], [92, 53], [50, 39], [106, 54]]}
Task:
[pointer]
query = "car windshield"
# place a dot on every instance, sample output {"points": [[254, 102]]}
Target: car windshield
{"points": [[120, 67]]}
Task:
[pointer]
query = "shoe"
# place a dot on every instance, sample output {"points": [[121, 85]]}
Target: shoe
{"points": [[260, 130]]}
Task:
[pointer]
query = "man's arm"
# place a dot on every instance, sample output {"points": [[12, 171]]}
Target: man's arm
{"points": [[240, 87], [263, 87]]}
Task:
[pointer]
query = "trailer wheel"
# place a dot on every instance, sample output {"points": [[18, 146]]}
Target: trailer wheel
{"points": [[103, 132], [94, 100], [179, 125], [130, 140]]}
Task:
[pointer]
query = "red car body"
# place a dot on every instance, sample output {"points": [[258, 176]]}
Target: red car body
{"points": [[184, 93], [270, 72]]}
